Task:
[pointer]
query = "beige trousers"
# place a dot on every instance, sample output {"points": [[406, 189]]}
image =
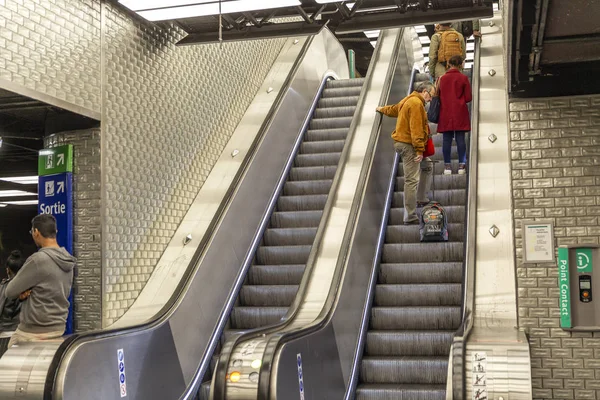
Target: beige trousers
{"points": [[23, 337], [417, 179]]}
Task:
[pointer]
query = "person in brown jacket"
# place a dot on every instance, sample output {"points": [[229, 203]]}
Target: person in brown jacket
{"points": [[410, 137]]}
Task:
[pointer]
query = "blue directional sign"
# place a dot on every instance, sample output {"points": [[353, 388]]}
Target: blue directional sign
{"points": [[55, 194]]}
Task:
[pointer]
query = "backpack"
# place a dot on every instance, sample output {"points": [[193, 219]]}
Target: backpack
{"points": [[434, 223], [450, 45]]}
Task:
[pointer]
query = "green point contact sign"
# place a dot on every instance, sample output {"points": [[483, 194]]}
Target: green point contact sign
{"points": [[564, 285], [56, 160]]}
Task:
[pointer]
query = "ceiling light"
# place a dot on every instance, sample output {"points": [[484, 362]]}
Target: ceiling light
{"points": [[214, 8], [372, 34], [15, 193], [23, 180], [137, 5], [20, 203]]}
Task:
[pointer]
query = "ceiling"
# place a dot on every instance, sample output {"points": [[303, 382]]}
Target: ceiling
{"points": [[555, 47], [343, 17]]}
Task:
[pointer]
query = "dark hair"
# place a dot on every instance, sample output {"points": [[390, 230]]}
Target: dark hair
{"points": [[45, 224], [455, 61], [15, 261]]}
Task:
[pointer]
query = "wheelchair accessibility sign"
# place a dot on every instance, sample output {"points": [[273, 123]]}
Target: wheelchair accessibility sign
{"points": [[122, 379]]}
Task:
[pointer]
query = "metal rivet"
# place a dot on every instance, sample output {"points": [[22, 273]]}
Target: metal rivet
{"points": [[187, 239], [269, 90], [296, 41], [492, 138], [238, 363], [492, 72], [494, 231], [492, 23], [253, 377], [235, 153]]}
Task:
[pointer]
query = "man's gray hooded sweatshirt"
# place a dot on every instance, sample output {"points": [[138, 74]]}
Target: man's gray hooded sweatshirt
{"points": [[49, 275]]}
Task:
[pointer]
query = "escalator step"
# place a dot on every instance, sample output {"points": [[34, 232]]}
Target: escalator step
{"points": [[415, 318], [436, 294], [330, 123], [444, 197], [306, 188], [290, 237], [273, 255], [338, 102], [413, 370], [433, 252], [307, 173], [455, 214], [444, 272], [341, 91], [317, 135], [255, 317], [276, 274], [268, 295], [401, 392], [344, 83], [408, 233], [408, 343], [442, 182], [302, 203], [325, 146], [317, 160], [334, 112], [296, 219]]}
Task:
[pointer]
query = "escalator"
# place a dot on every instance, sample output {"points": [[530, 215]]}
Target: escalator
{"points": [[279, 263], [418, 297]]}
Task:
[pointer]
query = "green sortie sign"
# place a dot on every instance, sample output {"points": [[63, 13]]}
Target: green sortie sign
{"points": [[56, 160], [564, 285]]}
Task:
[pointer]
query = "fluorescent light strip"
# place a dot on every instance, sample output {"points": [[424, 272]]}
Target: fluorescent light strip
{"points": [[15, 193], [372, 34], [138, 5], [202, 10], [19, 203], [23, 180]]}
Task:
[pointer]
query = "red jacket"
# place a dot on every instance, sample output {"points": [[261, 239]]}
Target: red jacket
{"points": [[455, 92]]}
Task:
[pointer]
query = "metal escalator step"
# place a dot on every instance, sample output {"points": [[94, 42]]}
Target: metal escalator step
{"points": [[456, 214], [408, 343], [444, 272], [308, 173], [317, 135], [412, 294], [408, 233], [400, 392], [444, 197], [204, 393], [302, 203], [290, 237], [438, 168], [439, 156], [276, 274], [330, 123], [332, 112], [341, 92], [433, 252], [325, 146], [442, 182], [413, 370], [306, 188], [438, 141], [268, 295], [338, 102], [317, 160], [340, 83], [415, 318], [296, 219], [255, 317], [271, 255]]}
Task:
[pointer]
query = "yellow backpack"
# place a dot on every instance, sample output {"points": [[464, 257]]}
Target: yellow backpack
{"points": [[450, 45]]}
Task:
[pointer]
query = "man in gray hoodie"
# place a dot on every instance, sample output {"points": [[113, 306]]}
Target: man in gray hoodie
{"points": [[44, 282]]}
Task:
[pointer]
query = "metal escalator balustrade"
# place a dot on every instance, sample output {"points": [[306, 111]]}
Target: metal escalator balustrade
{"points": [[279, 263], [417, 305]]}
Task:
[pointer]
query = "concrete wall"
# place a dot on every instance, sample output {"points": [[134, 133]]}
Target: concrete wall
{"points": [[166, 112], [556, 176]]}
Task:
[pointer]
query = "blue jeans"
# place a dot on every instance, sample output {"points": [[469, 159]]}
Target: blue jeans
{"points": [[460, 144]]}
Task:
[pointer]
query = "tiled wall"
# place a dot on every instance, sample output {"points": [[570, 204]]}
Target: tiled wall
{"points": [[556, 176], [87, 236], [167, 113]]}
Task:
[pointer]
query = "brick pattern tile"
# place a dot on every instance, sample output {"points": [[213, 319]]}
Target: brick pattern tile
{"points": [[555, 148]]}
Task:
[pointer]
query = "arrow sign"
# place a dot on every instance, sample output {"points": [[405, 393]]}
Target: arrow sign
{"points": [[61, 187], [61, 159]]}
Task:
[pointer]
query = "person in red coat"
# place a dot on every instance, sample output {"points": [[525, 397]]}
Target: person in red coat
{"points": [[455, 92]]}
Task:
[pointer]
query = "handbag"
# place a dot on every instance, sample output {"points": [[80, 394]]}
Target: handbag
{"points": [[433, 114], [429, 148]]}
